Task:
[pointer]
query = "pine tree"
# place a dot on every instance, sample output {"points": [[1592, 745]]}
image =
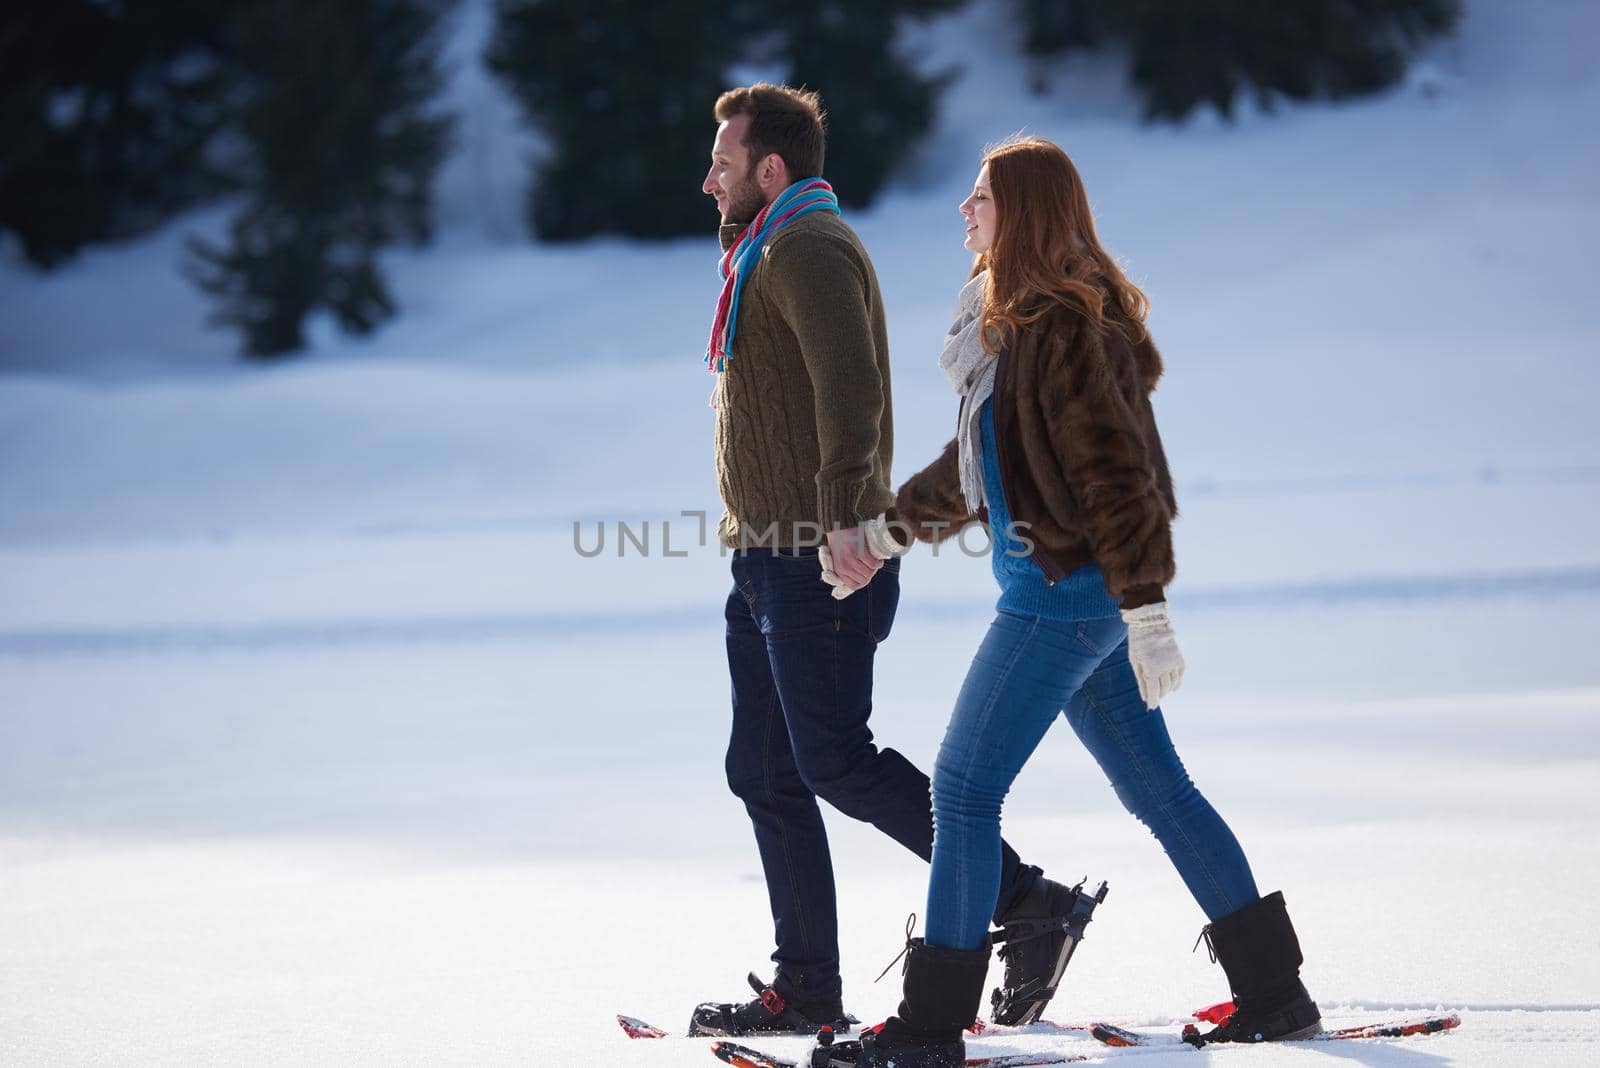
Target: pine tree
{"points": [[623, 92], [106, 115], [342, 151], [1209, 51], [878, 105]]}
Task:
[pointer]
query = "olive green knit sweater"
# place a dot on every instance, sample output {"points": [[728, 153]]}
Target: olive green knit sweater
{"points": [[804, 432]]}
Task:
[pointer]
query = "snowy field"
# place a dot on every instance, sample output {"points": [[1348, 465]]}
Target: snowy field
{"points": [[320, 744]]}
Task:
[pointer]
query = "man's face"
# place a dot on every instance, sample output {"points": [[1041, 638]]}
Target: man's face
{"points": [[730, 180]]}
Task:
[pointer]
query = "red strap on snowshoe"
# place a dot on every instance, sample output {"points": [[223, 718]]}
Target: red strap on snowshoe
{"points": [[1218, 1014]]}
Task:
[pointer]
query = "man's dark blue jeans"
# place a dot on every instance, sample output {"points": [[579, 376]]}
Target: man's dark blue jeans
{"points": [[801, 664]]}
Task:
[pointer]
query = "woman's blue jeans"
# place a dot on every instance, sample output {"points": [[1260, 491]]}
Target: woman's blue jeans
{"points": [[1026, 672]]}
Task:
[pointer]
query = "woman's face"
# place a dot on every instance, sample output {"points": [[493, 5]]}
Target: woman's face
{"points": [[978, 211]]}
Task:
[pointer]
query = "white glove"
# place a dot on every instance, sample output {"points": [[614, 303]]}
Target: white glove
{"points": [[880, 543], [840, 590], [1153, 652]]}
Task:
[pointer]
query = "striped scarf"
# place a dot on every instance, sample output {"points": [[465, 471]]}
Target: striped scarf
{"points": [[801, 198]]}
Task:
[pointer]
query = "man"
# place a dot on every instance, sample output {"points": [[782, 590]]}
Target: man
{"points": [[803, 447]]}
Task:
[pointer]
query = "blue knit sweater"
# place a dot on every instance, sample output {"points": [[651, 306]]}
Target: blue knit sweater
{"points": [[1023, 589]]}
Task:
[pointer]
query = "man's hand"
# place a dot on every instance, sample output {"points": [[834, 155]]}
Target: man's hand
{"points": [[850, 557], [879, 535]]}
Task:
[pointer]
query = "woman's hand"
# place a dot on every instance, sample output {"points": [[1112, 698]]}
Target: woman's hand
{"points": [[1153, 652], [929, 506]]}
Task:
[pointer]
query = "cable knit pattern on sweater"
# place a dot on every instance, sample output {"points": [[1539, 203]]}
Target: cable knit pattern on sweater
{"points": [[804, 434]]}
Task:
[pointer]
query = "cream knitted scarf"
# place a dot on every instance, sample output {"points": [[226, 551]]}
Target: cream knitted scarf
{"points": [[971, 373]]}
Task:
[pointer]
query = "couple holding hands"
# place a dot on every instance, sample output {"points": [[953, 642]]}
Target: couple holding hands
{"points": [[1056, 450]]}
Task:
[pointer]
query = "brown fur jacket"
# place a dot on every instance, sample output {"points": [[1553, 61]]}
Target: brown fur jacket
{"points": [[1080, 459]]}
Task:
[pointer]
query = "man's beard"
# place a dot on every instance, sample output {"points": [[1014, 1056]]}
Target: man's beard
{"points": [[745, 202]]}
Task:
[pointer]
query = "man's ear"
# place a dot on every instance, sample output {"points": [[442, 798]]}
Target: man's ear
{"points": [[770, 172]]}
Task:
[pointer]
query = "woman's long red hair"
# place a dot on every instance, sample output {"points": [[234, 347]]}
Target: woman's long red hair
{"points": [[1045, 250]]}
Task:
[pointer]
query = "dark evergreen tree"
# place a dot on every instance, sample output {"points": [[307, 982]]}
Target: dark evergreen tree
{"points": [[623, 91], [1187, 53], [1054, 26], [106, 112], [879, 105], [342, 150]]}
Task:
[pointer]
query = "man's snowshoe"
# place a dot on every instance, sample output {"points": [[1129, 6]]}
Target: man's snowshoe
{"points": [[770, 1012]]}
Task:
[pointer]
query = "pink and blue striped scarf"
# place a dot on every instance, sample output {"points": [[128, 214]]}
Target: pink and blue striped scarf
{"points": [[801, 198]]}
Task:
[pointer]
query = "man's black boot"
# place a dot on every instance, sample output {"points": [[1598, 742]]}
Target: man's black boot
{"points": [[770, 1012], [1260, 953], [1039, 934]]}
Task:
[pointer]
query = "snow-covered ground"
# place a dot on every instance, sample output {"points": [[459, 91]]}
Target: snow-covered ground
{"points": [[320, 744]]}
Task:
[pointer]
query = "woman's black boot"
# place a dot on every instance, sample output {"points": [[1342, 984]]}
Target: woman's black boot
{"points": [[1258, 950], [939, 1001]]}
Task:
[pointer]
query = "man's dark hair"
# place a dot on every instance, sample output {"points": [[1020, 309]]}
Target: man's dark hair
{"points": [[787, 121]]}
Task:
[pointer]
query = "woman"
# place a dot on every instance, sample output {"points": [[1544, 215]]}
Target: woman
{"points": [[1057, 451]]}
